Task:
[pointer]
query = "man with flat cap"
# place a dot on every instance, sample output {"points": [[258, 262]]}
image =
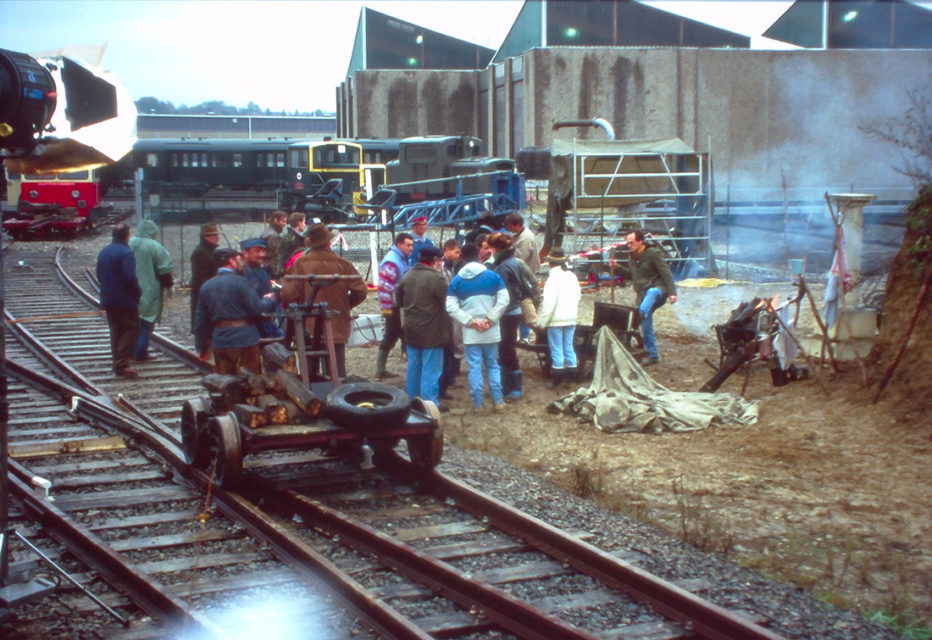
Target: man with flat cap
{"points": [[340, 296], [202, 263], [419, 235], [227, 317], [422, 296], [253, 256]]}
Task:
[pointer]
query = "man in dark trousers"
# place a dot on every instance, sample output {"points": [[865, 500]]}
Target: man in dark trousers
{"points": [[422, 297], [202, 262], [653, 284], [119, 296], [228, 312], [391, 269]]}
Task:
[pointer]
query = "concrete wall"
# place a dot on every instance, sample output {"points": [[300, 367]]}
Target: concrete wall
{"points": [[390, 103], [771, 119]]}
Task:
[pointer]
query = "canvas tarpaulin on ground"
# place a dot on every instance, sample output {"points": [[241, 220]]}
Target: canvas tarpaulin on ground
{"points": [[623, 398]]}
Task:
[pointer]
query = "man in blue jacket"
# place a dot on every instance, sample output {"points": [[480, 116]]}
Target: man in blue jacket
{"points": [[226, 319], [119, 296]]}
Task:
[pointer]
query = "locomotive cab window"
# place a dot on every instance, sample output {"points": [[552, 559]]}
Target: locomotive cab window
{"points": [[299, 158]]}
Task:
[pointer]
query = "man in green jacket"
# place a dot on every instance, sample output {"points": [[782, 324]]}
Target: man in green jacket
{"points": [[422, 297], [154, 272], [653, 284]]}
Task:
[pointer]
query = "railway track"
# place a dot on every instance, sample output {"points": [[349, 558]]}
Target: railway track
{"points": [[404, 554]]}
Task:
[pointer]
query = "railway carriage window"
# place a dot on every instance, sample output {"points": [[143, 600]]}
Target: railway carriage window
{"points": [[184, 160], [280, 159], [72, 175], [237, 160], [221, 160], [194, 160], [260, 160], [152, 159], [174, 160], [203, 159]]}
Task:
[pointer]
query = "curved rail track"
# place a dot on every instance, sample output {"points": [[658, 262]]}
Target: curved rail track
{"points": [[387, 551]]}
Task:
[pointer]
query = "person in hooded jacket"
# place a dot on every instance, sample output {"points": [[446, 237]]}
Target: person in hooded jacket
{"points": [[477, 298], [154, 272]]}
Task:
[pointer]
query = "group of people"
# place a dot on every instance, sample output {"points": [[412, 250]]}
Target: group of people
{"points": [[471, 302]]}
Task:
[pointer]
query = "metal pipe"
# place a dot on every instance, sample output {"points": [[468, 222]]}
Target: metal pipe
{"points": [[594, 122]]}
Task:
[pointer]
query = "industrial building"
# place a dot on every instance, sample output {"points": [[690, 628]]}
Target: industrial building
{"points": [[777, 124]]}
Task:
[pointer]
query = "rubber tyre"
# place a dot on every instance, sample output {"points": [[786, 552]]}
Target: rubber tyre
{"points": [[226, 452], [194, 437], [368, 406]]}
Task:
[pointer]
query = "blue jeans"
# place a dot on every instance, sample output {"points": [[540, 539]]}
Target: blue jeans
{"points": [[423, 374], [142, 343], [477, 356], [652, 299], [524, 331], [560, 341]]}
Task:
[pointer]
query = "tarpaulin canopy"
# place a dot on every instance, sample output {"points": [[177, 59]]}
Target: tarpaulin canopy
{"points": [[608, 174], [623, 398]]}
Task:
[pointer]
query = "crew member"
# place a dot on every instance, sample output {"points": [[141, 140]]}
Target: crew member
{"points": [[391, 269], [340, 296], [653, 283], [226, 319]]}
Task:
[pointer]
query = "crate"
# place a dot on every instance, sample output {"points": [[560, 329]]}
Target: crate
{"points": [[365, 329]]}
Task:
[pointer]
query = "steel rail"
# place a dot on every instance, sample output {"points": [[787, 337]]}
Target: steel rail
{"points": [[510, 613], [95, 553], [695, 614], [288, 548]]}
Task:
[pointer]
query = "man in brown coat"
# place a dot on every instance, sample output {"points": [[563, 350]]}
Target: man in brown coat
{"points": [[340, 297]]}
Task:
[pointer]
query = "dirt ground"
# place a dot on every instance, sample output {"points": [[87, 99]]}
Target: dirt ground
{"points": [[827, 490]]}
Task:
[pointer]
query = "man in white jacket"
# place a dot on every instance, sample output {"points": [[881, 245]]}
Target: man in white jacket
{"points": [[559, 310], [477, 298]]}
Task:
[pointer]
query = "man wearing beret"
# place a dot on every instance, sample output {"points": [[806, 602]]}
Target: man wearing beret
{"points": [[227, 315], [340, 296], [253, 256], [202, 262]]}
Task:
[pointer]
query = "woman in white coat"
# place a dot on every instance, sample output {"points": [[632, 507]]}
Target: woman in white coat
{"points": [[559, 309]]}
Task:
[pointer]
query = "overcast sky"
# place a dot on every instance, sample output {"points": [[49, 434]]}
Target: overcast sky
{"points": [[280, 55]]}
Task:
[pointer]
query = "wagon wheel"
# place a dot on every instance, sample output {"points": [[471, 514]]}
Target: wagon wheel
{"points": [[194, 416], [226, 452], [425, 450]]}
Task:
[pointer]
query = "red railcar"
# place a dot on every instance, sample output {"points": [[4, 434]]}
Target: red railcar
{"points": [[55, 203]]}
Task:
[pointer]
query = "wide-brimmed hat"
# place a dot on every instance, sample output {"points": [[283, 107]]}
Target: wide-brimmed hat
{"points": [[556, 256], [318, 235], [209, 228]]}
